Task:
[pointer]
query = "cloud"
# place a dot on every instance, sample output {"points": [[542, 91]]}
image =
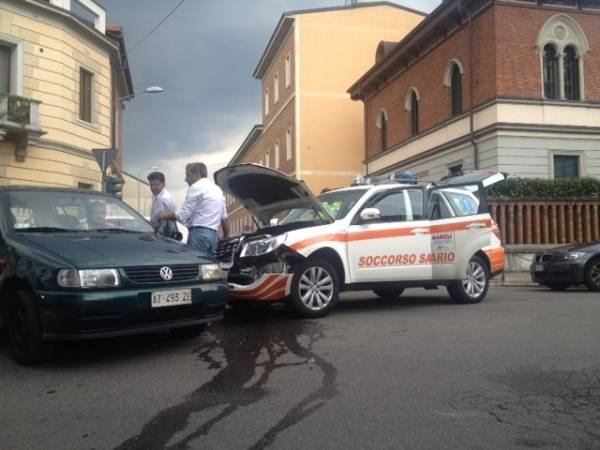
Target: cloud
{"points": [[174, 168]]}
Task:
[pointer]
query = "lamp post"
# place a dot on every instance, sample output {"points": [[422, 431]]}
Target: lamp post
{"points": [[139, 181]]}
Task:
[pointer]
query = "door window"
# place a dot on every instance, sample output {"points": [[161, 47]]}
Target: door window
{"points": [[400, 206], [463, 203]]}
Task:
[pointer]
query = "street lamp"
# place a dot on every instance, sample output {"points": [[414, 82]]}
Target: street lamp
{"points": [[148, 90], [139, 181]]}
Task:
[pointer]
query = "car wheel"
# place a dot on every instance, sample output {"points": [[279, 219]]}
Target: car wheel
{"points": [[592, 275], [315, 288], [388, 293], [558, 286], [474, 287], [188, 332], [25, 330]]}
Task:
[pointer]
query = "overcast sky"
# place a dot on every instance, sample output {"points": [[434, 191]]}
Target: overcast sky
{"points": [[203, 56]]}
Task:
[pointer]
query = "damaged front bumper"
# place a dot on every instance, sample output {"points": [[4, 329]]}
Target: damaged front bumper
{"points": [[264, 278]]}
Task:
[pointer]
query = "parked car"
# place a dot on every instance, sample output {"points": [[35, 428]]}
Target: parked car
{"points": [[385, 237], [79, 264], [567, 266]]}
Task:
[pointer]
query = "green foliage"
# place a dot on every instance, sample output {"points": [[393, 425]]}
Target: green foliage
{"points": [[17, 109], [545, 188]]}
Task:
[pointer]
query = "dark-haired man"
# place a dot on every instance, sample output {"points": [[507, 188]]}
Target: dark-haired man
{"points": [[203, 210], [162, 201]]}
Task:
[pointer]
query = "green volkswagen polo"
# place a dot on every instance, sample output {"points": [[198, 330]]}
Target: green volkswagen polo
{"points": [[80, 264]]}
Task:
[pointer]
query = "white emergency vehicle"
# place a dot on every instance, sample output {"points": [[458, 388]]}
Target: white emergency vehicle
{"points": [[384, 236]]}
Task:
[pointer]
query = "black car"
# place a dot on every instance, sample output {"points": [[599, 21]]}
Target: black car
{"points": [[79, 264], [566, 266]]}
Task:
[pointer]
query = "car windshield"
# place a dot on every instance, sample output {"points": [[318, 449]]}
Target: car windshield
{"points": [[54, 211], [338, 203]]}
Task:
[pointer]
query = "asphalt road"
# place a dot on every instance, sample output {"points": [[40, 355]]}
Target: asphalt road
{"points": [[520, 370]]}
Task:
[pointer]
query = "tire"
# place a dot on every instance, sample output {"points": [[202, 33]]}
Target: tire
{"points": [[559, 287], [315, 289], [25, 330], [474, 287], [388, 293], [592, 275], [188, 332]]}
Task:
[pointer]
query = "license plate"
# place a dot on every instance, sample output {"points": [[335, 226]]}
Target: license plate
{"points": [[539, 268], [161, 299]]}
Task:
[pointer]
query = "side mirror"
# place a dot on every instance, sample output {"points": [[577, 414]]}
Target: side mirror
{"points": [[368, 214], [274, 221]]}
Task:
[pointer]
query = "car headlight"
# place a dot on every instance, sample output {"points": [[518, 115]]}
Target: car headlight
{"points": [[262, 246], [88, 278], [571, 256], [211, 272]]}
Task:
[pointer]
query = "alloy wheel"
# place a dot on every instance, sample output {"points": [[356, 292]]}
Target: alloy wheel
{"points": [[595, 274], [316, 288], [475, 282]]}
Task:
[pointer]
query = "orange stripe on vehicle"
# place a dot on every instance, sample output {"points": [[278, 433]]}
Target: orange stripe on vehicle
{"points": [[268, 281], [263, 295], [497, 258], [382, 234], [446, 227]]}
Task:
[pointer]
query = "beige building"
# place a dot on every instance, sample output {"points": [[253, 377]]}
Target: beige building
{"points": [[63, 79], [310, 128]]}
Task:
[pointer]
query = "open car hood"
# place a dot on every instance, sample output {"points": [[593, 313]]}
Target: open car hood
{"points": [[266, 192]]}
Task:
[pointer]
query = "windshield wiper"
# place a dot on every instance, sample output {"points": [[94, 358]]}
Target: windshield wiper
{"points": [[43, 230], [115, 230]]}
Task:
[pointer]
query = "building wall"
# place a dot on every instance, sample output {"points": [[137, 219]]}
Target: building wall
{"points": [[427, 76], [508, 91], [516, 154], [278, 68], [518, 59], [335, 48], [53, 53]]}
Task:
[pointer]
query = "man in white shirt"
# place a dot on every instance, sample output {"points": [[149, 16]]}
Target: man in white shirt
{"points": [[162, 201], [203, 210]]}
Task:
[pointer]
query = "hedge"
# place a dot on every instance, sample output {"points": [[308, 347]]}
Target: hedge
{"points": [[545, 188]]}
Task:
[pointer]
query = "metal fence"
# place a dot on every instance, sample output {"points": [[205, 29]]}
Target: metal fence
{"points": [[538, 221]]}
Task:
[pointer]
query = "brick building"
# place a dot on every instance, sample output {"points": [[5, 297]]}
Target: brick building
{"points": [[310, 127], [506, 84]]}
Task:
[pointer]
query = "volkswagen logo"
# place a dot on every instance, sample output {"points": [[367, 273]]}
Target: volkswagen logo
{"points": [[166, 273]]}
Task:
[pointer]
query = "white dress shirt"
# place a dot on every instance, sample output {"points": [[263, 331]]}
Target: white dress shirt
{"points": [[204, 205], [162, 202]]}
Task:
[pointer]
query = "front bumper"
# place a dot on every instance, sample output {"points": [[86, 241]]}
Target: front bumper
{"points": [[106, 313], [270, 287], [558, 272]]}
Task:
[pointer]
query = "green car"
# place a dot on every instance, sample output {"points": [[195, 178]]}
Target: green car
{"points": [[80, 264]]}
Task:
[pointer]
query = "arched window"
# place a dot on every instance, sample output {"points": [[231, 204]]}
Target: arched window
{"points": [[571, 73], [382, 124], [456, 90], [414, 114], [551, 79], [563, 46]]}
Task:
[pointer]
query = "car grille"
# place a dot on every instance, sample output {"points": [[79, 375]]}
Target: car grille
{"points": [[151, 274], [227, 249]]}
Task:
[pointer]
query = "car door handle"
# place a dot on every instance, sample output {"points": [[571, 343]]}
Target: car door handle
{"points": [[475, 225], [420, 231]]}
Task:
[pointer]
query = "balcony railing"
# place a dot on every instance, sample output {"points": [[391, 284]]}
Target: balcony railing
{"points": [[539, 221]]}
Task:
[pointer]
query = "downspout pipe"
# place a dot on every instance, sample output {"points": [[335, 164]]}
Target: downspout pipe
{"points": [[471, 87]]}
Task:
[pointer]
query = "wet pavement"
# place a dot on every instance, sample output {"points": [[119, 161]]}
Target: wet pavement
{"points": [[520, 370]]}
